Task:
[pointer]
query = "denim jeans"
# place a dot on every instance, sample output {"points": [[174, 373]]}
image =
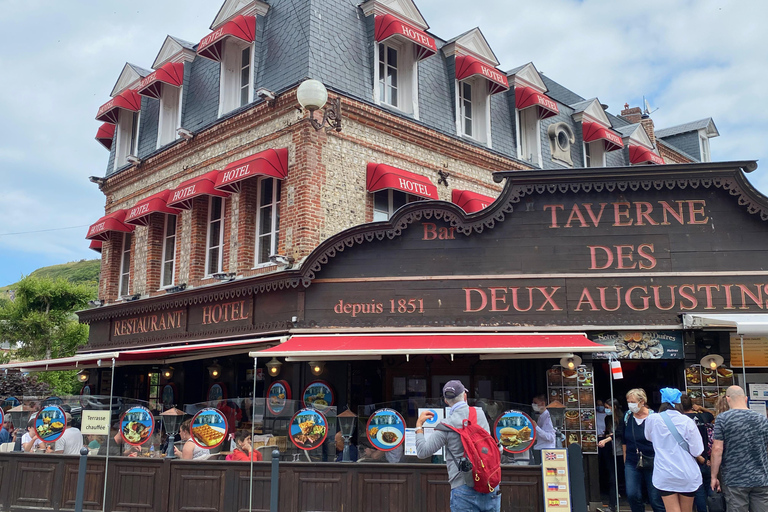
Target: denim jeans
{"points": [[634, 479], [466, 499], [700, 501]]}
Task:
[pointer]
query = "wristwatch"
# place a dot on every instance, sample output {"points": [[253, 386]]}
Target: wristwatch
{"points": [[419, 430]]}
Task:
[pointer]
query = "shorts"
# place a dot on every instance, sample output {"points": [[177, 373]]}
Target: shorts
{"points": [[691, 494]]}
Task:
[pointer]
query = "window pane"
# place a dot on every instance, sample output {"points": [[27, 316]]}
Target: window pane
{"points": [[215, 208], [265, 220], [264, 249], [214, 234], [170, 229], [392, 57], [245, 57], [168, 273], [243, 96], [124, 285], [398, 199], [381, 201], [266, 192], [213, 261], [278, 184]]}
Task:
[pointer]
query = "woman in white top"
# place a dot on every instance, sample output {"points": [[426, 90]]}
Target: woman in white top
{"points": [[190, 450], [675, 472]]}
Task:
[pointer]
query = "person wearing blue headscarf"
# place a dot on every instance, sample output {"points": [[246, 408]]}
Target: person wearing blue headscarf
{"points": [[677, 442]]}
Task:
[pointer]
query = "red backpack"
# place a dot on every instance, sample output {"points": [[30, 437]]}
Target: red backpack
{"points": [[481, 451]]}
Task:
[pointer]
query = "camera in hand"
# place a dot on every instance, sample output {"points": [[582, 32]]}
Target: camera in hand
{"points": [[465, 465]]}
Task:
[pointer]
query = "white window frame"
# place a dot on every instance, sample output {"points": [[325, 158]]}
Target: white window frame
{"points": [[408, 77], [597, 147], [125, 251], [274, 228], [230, 77], [481, 110], [704, 149], [169, 118], [409, 198], [530, 134], [169, 257], [126, 144], [220, 246]]}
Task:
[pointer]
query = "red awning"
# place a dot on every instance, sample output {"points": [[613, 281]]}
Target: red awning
{"points": [[470, 201], [643, 155], [526, 97], [171, 73], [241, 27], [390, 26], [96, 245], [467, 66], [105, 135], [327, 347], [270, 162], [100, 229], [594, 131], [128, 100], [156, 203], [182, 196], [382, 177], [156, 355]]}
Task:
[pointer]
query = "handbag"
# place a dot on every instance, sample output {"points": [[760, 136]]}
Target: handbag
{"points": [[643, 461], [716, 502]]}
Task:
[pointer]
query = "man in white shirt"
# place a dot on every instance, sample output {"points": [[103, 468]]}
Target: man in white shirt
{"points": [[545, 431], [70, 441]]}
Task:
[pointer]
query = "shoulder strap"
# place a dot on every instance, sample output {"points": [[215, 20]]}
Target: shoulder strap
{"points": [[673, 430]]}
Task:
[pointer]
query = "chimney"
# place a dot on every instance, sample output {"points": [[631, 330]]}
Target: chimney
{"points": [[631, 115], [647, 123]]}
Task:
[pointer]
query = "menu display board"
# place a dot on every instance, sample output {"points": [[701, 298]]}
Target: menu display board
{"points": [[641, 344], [705, 385], [755, 351], [50, 424], [575, 389], [209, 428], [385, 429], [136, 426], [554, 469], [308, 429], [514, 430]]}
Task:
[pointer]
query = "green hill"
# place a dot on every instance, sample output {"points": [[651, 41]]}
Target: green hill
{"points": [[83, 271]]}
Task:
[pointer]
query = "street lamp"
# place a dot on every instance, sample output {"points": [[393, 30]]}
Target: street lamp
{"points": [[347, 421], [167, 372], [273, 366], [312, 95], [214, 370], [172, 419], [19, 416], [83, 376]]}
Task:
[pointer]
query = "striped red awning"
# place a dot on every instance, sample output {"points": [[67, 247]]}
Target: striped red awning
{"points": [[383, 177], [182, 196], [642, 155], [100, 229], [95, 245], [270, 162], [105, 135], [171, 73], [527, 97], [156, 203], [241, 27], [467, 66], [594, 131], [390, 26], [129, 100], [470, 201]]}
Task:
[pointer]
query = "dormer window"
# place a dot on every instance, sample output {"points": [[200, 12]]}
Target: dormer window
{"points": [[127, 137], [165, 85], [531, 106], [390, 76], [597, 135]]}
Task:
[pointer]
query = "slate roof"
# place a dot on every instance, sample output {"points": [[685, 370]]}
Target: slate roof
{"points": [[676, 149], [559, 93], [140, 70], [581, 106], [692, 126], [185, 44]]}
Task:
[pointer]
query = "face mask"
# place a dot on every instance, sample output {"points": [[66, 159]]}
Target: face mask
{"points": [[635, 408], [536, 407], [608, 412], [600, 408]]}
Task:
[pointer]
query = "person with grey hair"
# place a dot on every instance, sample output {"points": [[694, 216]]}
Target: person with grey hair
{"points": [[71, 439], [740, 455]]}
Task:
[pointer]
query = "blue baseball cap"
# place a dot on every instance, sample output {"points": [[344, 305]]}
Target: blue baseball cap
{"points": [[453, 388]]}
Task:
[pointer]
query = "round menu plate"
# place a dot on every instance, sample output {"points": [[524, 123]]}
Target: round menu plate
{"points": [[217, 392], [318, 394], [514, 430], [84, 394], [50, 424], [209, 428], [278, 394], [136, 425], [308, 429], [385, 429]]}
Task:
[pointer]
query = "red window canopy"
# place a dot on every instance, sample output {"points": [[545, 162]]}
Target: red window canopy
{"points": [[156, 203], [382, 177], [241, 27], [171, 73], [127, 100], [182, 196], [105, 135], [467, 67], [270, 162], [327, 347], [527, 97], [390, 26], [101, 229], [643, 155], [594, 131], [470, 201], [96, 245]]}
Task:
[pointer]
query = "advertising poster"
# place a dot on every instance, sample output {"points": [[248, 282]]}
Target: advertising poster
{"points": [[554, 469], [704, 385], [758, 391], [318, 394], [278, 393], [385, 429], [209, 428], [50, 424], [514, 430], [755, 351], [95, 423], [136, 425], [439, 415], [308, 429], [641, 344]]}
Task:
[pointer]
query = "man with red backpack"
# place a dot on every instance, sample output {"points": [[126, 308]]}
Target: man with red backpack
{"points": [[472, 455]]}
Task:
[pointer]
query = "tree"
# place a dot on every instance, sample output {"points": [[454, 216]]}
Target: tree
{"points": [[18, 385], [41, 322]]}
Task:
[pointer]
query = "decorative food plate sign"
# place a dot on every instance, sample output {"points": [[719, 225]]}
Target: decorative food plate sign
{"points": [[209, 428], [137, 425], [318, 394], [50, 424], [308, 429], [385, 429], [277, 395], [514, 430]]}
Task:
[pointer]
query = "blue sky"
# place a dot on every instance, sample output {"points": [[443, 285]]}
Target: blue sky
{"points": [[60, 60]]}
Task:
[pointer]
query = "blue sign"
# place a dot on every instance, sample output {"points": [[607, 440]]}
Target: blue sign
{"points": [[50, 424], [641, 344]]}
